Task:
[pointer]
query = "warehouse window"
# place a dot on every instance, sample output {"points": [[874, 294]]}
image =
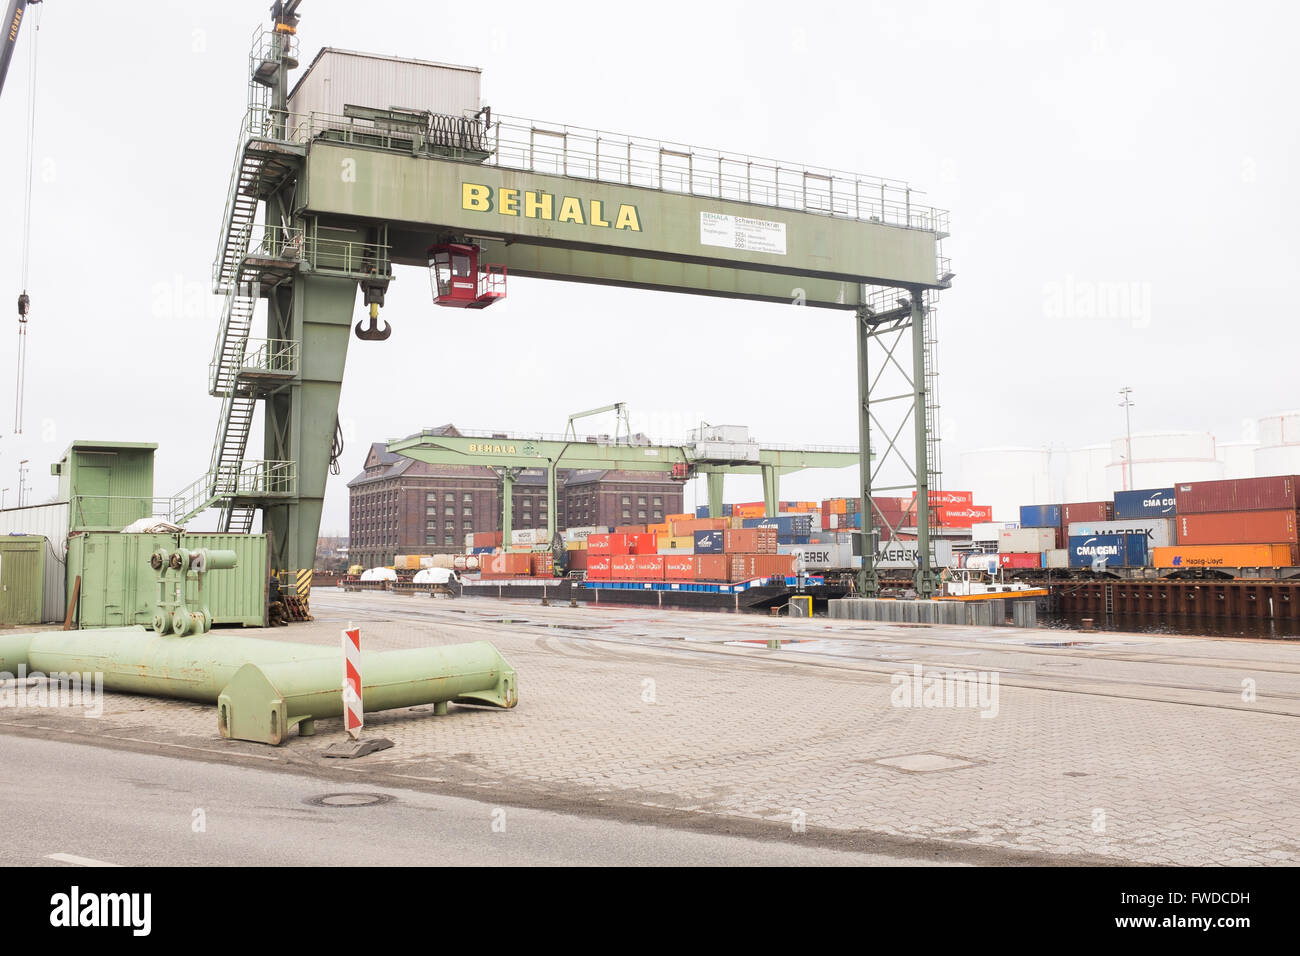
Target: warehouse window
{"points": [[449, 497], [627, 515], [431, 498], [448, 540], [641, 515], [431, 539], [659, 516], [449, 511], [659, 502], [468, 497], [627, 500]]}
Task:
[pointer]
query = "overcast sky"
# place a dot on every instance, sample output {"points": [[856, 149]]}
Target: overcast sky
{"points": [[1145, 149]]}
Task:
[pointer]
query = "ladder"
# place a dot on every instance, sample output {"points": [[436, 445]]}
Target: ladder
{"points": [[930, 348]]}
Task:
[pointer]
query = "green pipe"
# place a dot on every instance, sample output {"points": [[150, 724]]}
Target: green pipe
{"points": [[263, 688]]}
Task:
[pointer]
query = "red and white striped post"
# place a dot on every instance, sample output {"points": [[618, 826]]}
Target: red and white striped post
{"points": [[352, 719]]}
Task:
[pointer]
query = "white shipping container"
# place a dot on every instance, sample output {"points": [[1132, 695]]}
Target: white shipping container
{"points": [[581, 534], [989, 530], [528, 536], [819, 557], [1056, 558], [902, 554], [1026, 540], [338, 78], [1160, 532]]}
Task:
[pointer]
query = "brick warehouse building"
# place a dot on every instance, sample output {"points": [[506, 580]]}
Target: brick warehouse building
{"points": [[398, 505]]}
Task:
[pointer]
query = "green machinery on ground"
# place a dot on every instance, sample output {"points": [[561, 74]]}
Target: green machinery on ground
{"points": [[349, 195], [263, 689]]}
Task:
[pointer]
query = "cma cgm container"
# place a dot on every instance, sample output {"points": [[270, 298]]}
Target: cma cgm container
{"points": [[1151, 503], [1027, 540], [1160, 532], [1241, 494], [1009, 561], [1238, 527], [1227, 556], [1116, 550], [1040, 516], [1087, 511]]}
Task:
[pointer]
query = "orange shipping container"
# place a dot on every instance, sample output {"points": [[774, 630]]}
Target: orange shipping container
{"points": [[1238, 527], [505, 565], [648, 567], [746, 567], [660, 529], [577, 560], [630, 529], [622, 567], [679, 567], [644, 543], [687, 528], [542, 564], [671, 518], [749, 541], [598, 566], [608, 544], [710, 567], [1227, 556]]}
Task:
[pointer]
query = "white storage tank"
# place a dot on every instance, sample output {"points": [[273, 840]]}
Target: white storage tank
{"points": [[1085, 474], [1162, 458], [1007, 478], [1238, 458], [338, 78], [1279, 445]]}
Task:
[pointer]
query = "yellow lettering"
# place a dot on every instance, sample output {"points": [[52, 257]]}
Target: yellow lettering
{"points": [[509, 201], [570, 211], [595, 214], [537, 205], [627, 218], [475, 197]]}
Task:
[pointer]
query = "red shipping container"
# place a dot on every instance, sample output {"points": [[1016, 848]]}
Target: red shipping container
{"points": [[577, 560], [630, 529], [648, 567], [622, 567], [746, 567], [608, 544], [1015, 560], [1238, 527], [542, 564], [963, 516], [506, 564], [487, 539], [711, 567], [1240, 494], [749, 540], [948, 499], [598, 566], [679, 567], [643, 543], [1087, 511]]}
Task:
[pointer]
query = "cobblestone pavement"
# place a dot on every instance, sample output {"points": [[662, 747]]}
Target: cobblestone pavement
{"points": [[1104, 747]]}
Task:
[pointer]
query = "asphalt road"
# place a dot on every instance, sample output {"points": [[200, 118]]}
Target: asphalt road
{"points": [[66, 804]]}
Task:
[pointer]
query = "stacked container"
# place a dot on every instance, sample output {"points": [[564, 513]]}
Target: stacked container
{"points": [[1246, 522]]}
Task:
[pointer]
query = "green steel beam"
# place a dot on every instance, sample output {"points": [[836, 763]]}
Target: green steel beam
{"points": [[772, 491], [716, 481]]}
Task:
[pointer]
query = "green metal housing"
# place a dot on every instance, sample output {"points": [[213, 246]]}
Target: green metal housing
{"points": [[107, 484], [22, 579]]}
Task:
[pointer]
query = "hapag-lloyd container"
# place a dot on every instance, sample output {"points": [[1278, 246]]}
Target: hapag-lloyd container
{"points": [[1115, 550], [1028, 540], [1160, 532], [1148, 503], [1239, 494], [1040, 516], [1227, 556], [1238, 527]]}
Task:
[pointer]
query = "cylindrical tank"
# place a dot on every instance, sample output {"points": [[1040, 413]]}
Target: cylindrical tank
{"points": [[1085, 473], [1162, 458], [1238, 458], [1279, 445], [466, 562]]}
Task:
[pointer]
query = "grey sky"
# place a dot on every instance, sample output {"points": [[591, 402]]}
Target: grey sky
{"points": [[1118, 147]]}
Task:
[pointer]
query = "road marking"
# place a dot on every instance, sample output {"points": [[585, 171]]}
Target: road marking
{"points": [[78, 860]]}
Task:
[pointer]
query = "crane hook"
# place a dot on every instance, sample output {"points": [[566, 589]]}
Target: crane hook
{"points": [[373, 332]]}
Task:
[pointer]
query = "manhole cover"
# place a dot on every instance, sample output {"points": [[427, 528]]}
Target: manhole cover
{"points": [[349, 800], [925, 763]]}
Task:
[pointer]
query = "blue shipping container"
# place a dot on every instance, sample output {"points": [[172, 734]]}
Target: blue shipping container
{"points": [[1040, 516], [784, 524], [793, 539], [1117, 550], [708, 542], [1151, 503], [702, 511]]}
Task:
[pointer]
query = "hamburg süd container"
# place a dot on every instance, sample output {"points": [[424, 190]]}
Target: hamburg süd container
{"points": [[643, 543], [1238, 527], [679, 567], [1227, 556], [648, 567], [1114, 550], [622, 567], [1148, 503], [1238, 494]]}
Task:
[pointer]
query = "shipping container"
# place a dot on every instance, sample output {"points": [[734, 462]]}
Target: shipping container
{"points": [[576, 560], [949, 499], [630, 529], [1028, 540], [648, 567], [609, 544], [683, 528], [674, 543], [1020, 561], [669, 519], [1237, 527], [1240, 494], [784, 524], [679, 567], [902, 553], [643, 543], [528, 536], [1112, 550], [981, 561], [487, 539], [1087, 511], [747, 567], [622, 567], [580, 534], [542, 564], [819, 557], [749, 541], [1160, 532], [963, 516], [598, 566], [506, 564], [1056, 558], [1148, 503], [30, 581], [1227, 556], [711, 567], [709, 542], [989, 530], [702, 511], [1040, 516]]}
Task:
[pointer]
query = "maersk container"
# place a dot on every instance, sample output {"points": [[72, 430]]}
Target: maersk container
{"points": [[819, 557], [710, 542], [1114, 550], [1040, 516], [1151, 503], [1160, 532]]}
